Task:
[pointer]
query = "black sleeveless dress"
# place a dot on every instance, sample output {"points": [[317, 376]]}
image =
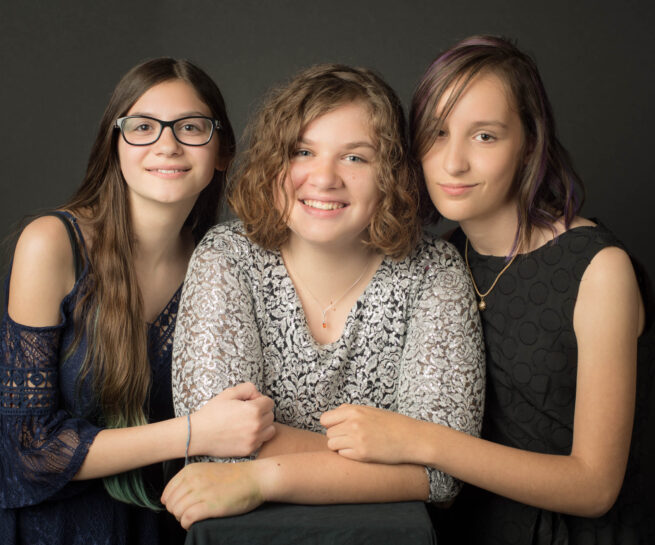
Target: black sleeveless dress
{"points": [[531, 384]]}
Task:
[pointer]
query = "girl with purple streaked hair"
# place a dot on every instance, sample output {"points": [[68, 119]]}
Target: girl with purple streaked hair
{"points": [[569, 335]]}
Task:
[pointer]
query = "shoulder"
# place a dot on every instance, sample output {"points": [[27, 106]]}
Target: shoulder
{"points": [[610, 265], [226, 238], [434, 267], [434, 253], [225, 248], [42, 272]]}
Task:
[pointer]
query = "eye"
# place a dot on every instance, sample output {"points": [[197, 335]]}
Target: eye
{"points": [[485, 137], [142, 127], [191, 127], [302, 153], [355, 159]]}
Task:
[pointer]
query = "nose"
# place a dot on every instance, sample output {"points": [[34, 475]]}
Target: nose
{"points": [[167, 144], [455, 157], [324, 174]]}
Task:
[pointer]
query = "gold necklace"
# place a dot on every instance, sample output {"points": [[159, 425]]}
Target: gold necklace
{"points": [[333, 304], [482, 304]]}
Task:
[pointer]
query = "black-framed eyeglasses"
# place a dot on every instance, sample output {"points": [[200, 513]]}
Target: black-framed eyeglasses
{"points": [[143, 130]]}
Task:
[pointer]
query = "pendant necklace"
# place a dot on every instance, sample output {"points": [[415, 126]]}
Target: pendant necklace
{"points": [[482, 304], [333, 303]]}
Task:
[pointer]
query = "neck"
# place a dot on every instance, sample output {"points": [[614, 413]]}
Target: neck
{"points": [[157, 231], [327, 271], [494, 236]]}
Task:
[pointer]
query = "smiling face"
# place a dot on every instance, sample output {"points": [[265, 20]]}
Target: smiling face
{"points": [[471, 167], [332, 179], [167, 171]]}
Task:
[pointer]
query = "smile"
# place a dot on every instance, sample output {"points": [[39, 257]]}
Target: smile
{"points": [[168, 171], [455, 190], [323, 205]]}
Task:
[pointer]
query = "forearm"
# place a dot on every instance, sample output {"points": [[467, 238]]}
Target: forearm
{"points": [[562, 483], [117, 450], [326, 477], [289, 440]]}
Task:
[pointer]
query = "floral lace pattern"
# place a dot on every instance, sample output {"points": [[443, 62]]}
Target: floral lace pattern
{"points": [[412, 342]]}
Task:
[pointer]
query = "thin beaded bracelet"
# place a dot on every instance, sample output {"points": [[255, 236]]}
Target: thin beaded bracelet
{"points": [[188, 439]]}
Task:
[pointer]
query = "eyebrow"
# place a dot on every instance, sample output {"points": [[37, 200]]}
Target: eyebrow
{"points": [[498, 124], [349, 145], [178, 116]]}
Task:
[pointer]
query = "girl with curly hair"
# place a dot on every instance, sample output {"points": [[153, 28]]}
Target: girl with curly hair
{"points": [[325, 292]]}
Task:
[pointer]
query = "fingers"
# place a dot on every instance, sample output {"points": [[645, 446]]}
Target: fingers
{"points": [[177, 494], [244, 391], [268, 433], [335, 416], [264, 403]]}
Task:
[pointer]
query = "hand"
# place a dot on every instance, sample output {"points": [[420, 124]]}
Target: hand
{"points": [[236, 422], [367, 434], [212, 489]]}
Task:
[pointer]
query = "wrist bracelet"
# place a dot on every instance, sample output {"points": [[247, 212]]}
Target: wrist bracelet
{"points": [[188, 439]]}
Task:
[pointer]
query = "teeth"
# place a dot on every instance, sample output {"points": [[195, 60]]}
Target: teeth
{"points": [[322, 205], [168, 171]]}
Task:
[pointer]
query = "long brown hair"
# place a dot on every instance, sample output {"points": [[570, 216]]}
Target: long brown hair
{"points": [[547, 186], [111, 308], [274, 135]]}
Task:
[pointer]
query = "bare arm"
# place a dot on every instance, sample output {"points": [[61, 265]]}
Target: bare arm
{"points": [[207, 490], [290, 440], [607, 320], [42, 275]]}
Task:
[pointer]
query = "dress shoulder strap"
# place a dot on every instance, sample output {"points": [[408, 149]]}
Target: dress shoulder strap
{"points": [[76, 239]]}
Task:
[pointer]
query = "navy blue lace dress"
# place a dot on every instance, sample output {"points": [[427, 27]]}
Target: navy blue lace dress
{"points": [[47, 430]]}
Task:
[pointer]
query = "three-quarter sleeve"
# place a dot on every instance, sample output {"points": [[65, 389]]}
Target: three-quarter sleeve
{"points": [[42, 446], [443, 367], [217, 343]]}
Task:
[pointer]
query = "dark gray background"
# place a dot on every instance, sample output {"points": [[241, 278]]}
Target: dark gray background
{"points": [[59, 62]]}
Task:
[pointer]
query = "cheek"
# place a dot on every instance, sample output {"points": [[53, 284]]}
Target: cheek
{"points": [[284, 193], [128, 158], [429, 166]]}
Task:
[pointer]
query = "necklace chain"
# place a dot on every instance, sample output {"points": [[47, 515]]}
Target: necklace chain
{"points": [[333, 304], [482, 305]]}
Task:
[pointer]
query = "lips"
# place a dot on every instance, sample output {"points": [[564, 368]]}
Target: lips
{"points": [[456, 189]]}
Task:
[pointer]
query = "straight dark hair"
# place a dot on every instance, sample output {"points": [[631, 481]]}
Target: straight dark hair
{"points": [[546, 184]]}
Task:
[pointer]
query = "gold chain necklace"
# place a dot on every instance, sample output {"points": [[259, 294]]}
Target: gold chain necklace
{"points": [[333, 304], [482, 304]]}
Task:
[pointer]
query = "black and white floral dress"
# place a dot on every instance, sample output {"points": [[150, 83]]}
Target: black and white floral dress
{"points": [[412, 342]]}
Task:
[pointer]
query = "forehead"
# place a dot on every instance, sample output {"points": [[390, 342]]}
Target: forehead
{"points": [[170, 99], [487, 94], [345, 119]]}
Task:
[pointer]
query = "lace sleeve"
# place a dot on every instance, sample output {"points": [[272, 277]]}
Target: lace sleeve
{"points": [[217, 343], [41, 447], [442, 372]]}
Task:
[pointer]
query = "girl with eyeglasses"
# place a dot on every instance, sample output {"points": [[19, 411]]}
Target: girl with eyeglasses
{"points": [[85, 393], [567, 444], [325, 292]]}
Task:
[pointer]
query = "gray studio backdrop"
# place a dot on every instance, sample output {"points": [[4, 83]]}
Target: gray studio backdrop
{"points": [[59, 61]]}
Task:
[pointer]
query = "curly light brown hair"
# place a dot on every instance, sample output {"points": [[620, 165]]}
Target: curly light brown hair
{"points": [[273, 136]]}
